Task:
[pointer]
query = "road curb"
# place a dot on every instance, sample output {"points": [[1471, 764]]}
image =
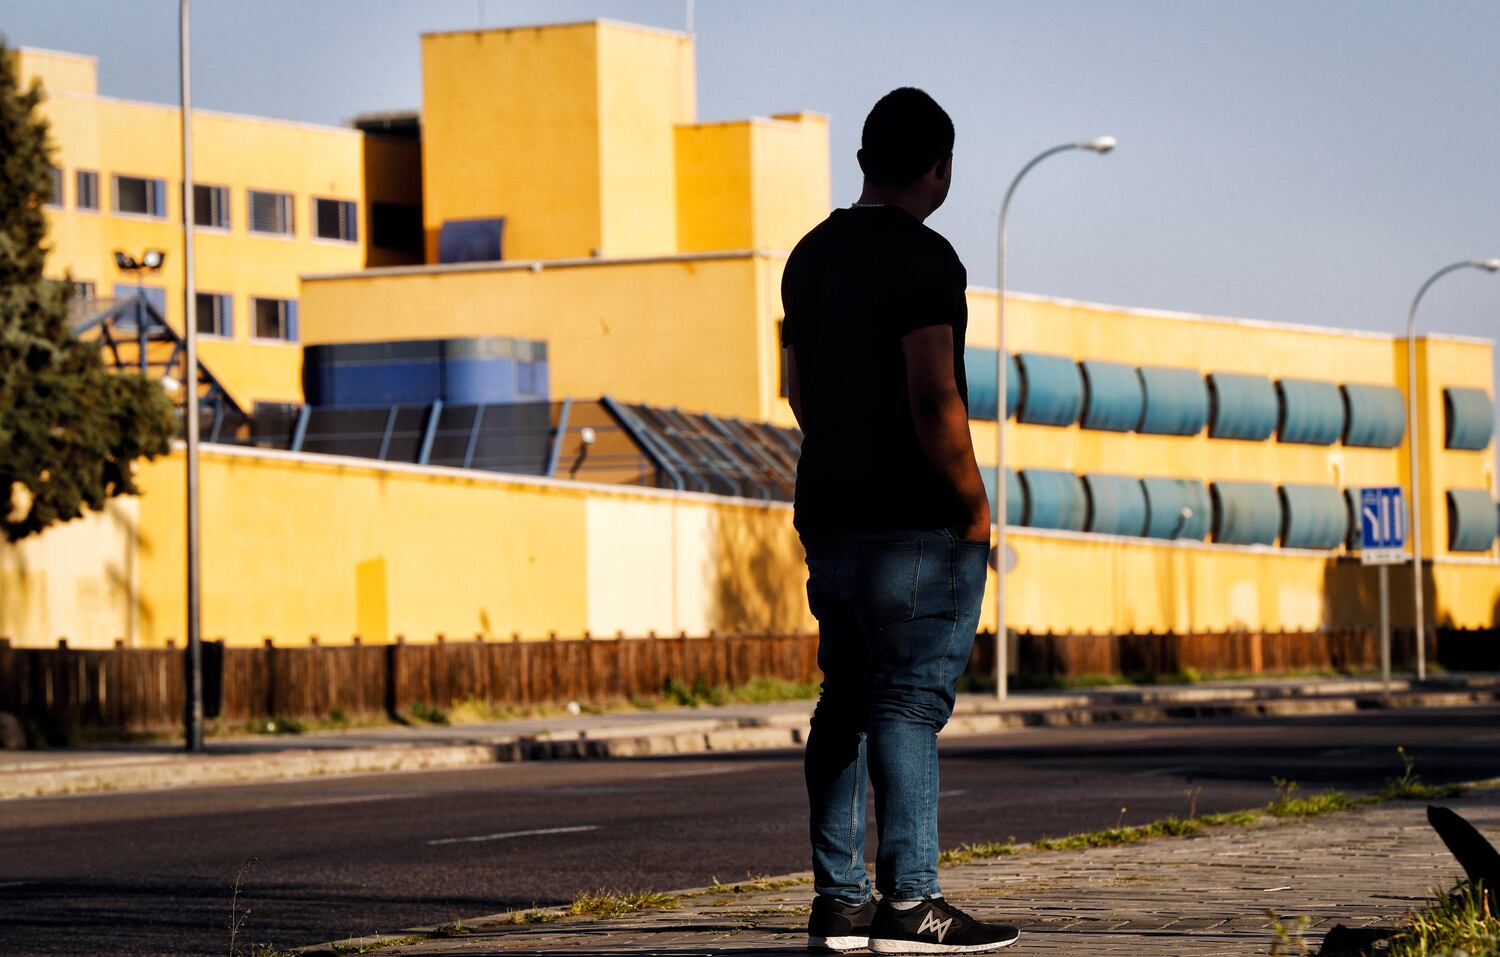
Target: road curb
{"points": [[698, 737]]}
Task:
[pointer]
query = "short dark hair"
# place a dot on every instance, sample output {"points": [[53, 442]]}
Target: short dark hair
{"points": [[905, 133]]}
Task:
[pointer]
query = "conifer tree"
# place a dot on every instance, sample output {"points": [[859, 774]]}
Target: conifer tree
{"points": [[69, 428]]}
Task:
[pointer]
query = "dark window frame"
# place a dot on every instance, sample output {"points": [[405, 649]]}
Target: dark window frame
{"points": [[155, 196], [217, 202], [86, 189], [286, 212], [56, 200], [345, 216], [220, 311], [286, 312]]}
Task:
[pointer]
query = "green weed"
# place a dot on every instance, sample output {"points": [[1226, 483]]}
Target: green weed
{"points": [[965, 853], [422, 711], [1410, 786], [605, 904], [1287, 938], [1458, 925], [530, 916], [1287, 804]]}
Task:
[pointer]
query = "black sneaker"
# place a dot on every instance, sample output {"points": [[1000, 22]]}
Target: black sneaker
{"points": [[837, 926], [935, 927]]}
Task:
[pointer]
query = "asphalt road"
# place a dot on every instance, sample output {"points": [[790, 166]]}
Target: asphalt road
{"points": [[153, 872]]}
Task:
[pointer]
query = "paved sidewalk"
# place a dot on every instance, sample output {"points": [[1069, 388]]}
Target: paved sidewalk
{"points": [[1209, 894], [677, 731]]}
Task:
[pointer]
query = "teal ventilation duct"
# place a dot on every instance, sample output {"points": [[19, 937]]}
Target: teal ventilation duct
{"points": [[1176, 401], [1312, 412], [1055, 499], [1471, 520], [1246, 513], [1471, 418], [1166, 498], [1015, 495], [1242, 406], [1052, 389], [979, 368], [1112, 396], [1375, 416], [1313, 516], [1117, 505]]}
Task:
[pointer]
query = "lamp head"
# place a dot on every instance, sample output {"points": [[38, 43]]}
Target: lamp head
{"points": [[153, 258], [586, 436], [1489, 265], [125, 263], [1099, 144]]}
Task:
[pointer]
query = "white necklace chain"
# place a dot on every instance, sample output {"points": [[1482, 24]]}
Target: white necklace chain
{"points": [[865, 205]]}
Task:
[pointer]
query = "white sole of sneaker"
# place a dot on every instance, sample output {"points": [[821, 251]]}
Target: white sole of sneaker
{"points": [[923, 947], [838, 944]]}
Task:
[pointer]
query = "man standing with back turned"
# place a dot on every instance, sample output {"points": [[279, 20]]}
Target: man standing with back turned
{"points": [[896, 524]]}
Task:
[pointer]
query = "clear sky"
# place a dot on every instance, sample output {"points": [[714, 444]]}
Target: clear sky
{"points": [[1279, 159]]}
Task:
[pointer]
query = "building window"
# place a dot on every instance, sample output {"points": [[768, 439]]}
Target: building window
{"points": [[82, 290], [55, 197], [211, 206], [142, 197], [275, 319], [334, 219], [215, 314], [87, 190], [396, 226], [270, 212]]}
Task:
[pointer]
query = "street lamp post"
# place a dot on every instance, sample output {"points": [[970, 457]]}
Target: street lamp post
{"points": [[1488, 265], [1101, 145], [193, 718]]}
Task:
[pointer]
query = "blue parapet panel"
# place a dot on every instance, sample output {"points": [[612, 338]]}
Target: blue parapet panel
{"points": [[469, 371], [1166, 499], [1113, 396], [1313, 516], [1470, 415], [471, 240], [1175, 400], [1241, 406], [1054, 500], [1117, 504], [1312, 412], [1471, 520], [1015, 494], [1375, 416], [1052, 389], [1246, 513]]}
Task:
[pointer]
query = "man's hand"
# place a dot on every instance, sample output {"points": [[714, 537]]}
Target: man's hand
{"points": [[942, 422]]}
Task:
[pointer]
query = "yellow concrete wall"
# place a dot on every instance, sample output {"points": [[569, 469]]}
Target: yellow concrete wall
{"points": [[678, 331], [511, 127], [76, 581], [751, 184], [1442, 363], [646, 87], [58, 71]]}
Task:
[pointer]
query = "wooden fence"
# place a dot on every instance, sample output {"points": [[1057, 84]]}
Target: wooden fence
{"points": [[61, 690]]}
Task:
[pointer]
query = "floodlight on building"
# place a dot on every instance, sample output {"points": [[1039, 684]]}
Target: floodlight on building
{"points": [[153, 259], [125, 262], [1100, 145]]}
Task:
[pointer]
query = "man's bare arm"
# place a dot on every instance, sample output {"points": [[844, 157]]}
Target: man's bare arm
{"points": [[942, 422], [793, 385]]}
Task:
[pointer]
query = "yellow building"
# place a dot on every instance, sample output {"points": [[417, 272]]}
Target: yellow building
{"points": [[1172, 472], [273, 198]]}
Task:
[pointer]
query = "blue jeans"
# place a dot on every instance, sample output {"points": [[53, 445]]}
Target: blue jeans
{"points": [[896, 616]]}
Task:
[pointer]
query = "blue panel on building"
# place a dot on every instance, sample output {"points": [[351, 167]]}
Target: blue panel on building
{"points": [[1312, 412], [1015, 495], [1471, 520], [1055, 500], [1246, 513], [1117, 504], [471, 240], [1375, 416], [1176, 401], [458, 371], [1242, 406], [1052, 389], [1177, 508], [1313, 516], [1113, 396], [979, 368], [1471, 418]]}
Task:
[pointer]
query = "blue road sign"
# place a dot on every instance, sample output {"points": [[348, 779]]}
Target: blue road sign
{"points": [[1382, 521]]}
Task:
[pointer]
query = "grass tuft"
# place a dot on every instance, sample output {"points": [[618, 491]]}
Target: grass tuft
{"points": [[528, 916], [1410, 786], [965, 853], [1461, 923], [755, 885], [1287, 804], [606, 904], [455, 929]]}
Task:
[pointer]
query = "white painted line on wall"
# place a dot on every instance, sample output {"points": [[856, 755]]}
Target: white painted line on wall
{"points": [[507, 835]]}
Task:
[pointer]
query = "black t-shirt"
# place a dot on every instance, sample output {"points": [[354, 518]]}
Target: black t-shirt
{"points": [[862, 279]]}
